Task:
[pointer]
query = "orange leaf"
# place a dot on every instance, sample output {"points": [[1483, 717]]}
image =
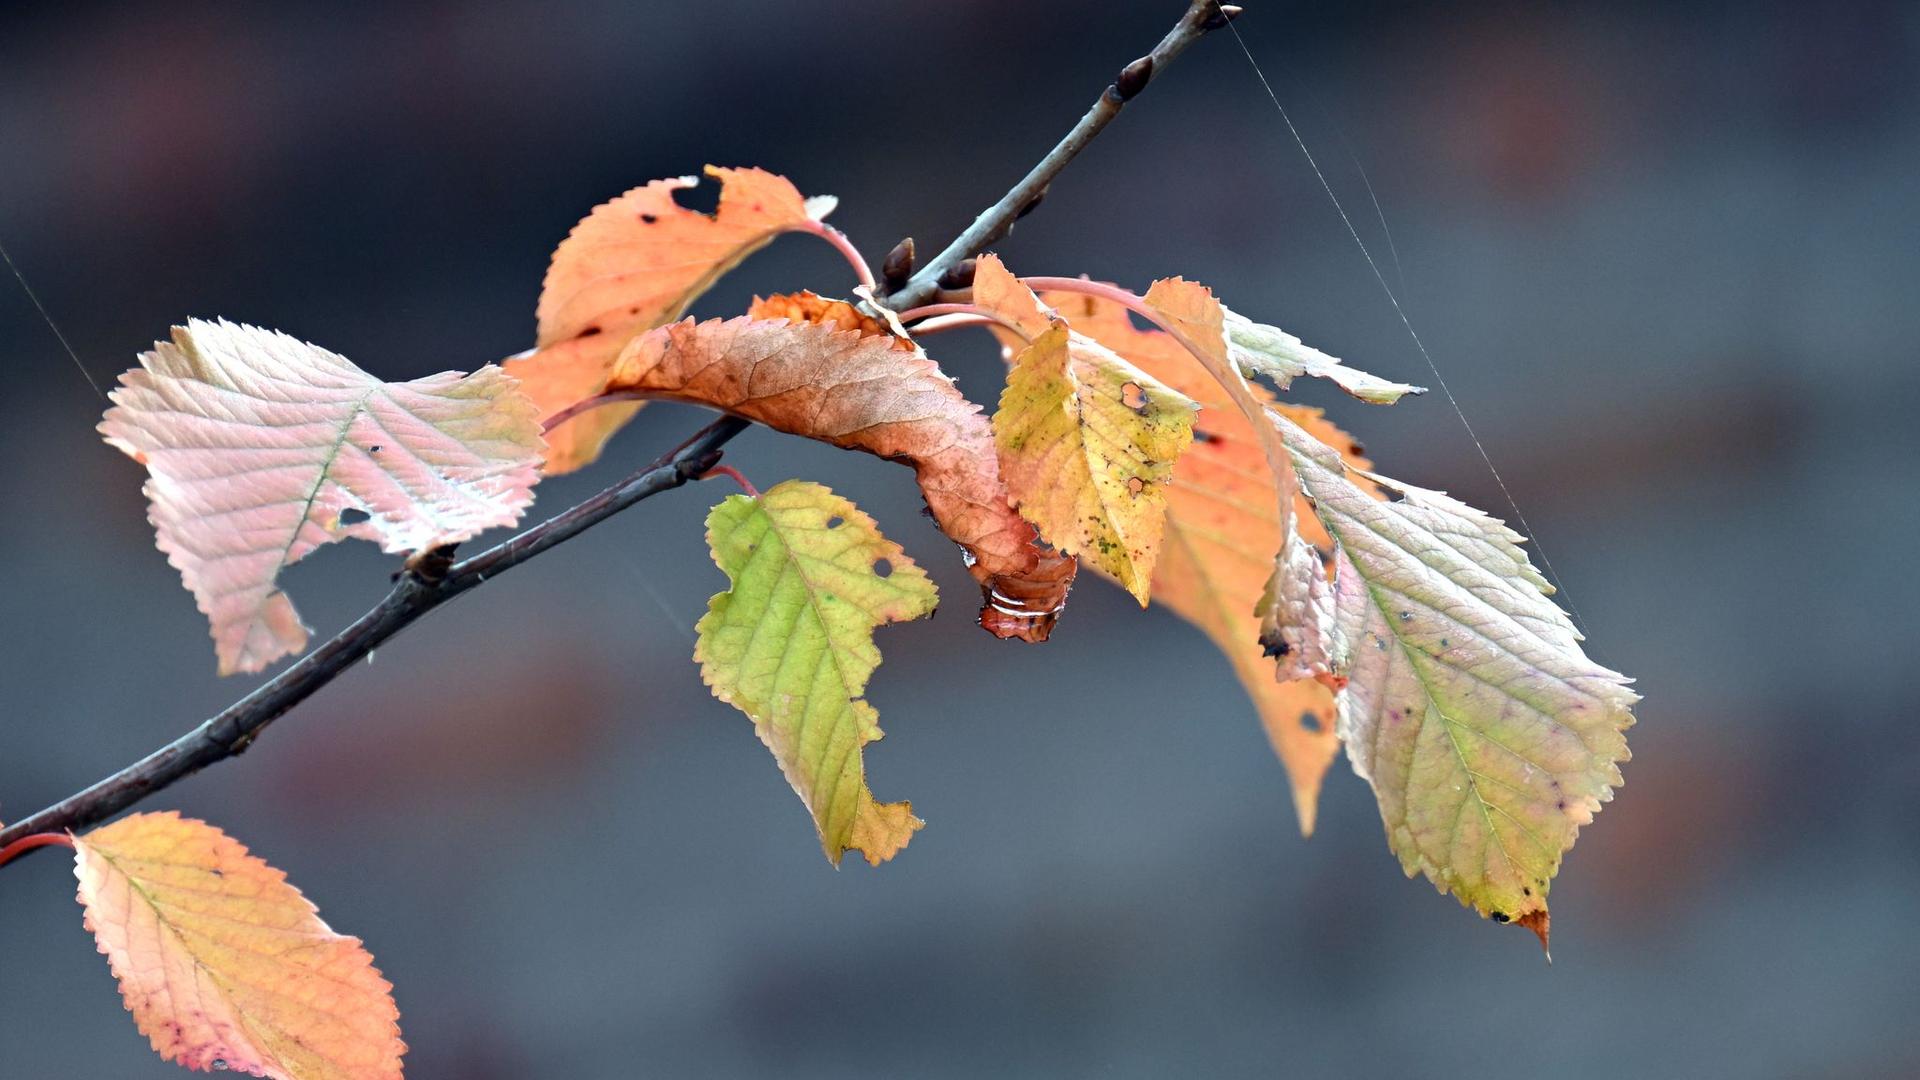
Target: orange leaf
{"points": [[632, 264], [859, 391], [1222, 530], [223, 964]]}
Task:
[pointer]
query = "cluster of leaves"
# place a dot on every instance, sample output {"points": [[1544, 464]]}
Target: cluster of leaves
{"points": [[1355, 610]]}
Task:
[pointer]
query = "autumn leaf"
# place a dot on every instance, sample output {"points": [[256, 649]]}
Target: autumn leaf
{"points": [[1259, 349], [224, 965], [632, 264], [1087, 441], [1296, 607], [1221, 535], [791, 645], [260, 448], [1488, 735], [862, 391]]}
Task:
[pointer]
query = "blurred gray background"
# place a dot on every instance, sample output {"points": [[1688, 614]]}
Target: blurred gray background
{"points": [[1665, 254]]}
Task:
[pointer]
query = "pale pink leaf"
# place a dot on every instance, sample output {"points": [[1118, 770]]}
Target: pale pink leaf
{"points": [[257, 444]]}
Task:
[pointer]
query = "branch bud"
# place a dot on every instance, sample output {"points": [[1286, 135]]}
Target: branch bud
{"points": [[1224, 14], [960, 276], [1033, 203], [898, 265], [1133, 79]]}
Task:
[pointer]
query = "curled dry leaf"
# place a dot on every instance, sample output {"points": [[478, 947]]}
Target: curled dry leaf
{"points": [[1221, 534], [790, 644], [632, 264], [860, 391], [1488, 735], [1087, 441], [224, 965], [261, 448]]}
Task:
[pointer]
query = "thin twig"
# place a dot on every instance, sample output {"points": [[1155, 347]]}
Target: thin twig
{"points": [[991, 225], [432, 578]]}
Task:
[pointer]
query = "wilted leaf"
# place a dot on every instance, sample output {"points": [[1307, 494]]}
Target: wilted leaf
{"points": [[224, 965], [1259, 349], [1222, 531], [810, 307], [262, 447], [632, 264], [862, 392], [1488, 736], [791, 645]]}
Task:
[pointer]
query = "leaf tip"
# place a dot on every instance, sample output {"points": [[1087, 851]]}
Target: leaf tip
{"points": [[1541, 923]]}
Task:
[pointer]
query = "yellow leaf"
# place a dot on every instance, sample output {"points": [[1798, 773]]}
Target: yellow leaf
{"points": [[1087, 441], [632, 264], [223, 964], [790, 644], [1222, 530]]}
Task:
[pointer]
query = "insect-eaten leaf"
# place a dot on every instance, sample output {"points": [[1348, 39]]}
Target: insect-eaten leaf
{"points": [[225, 966], [260, 448], [1488, 735], [1222, 532], [859, 390], [790, 644], [634, 263]]}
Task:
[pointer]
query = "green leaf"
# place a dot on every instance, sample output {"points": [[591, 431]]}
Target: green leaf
{"points": [[791, 645], [1488, 735]]}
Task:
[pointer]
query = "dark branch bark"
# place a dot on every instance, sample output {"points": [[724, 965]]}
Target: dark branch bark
{"points": [[996, 220], [432, 578], [427, 583]]}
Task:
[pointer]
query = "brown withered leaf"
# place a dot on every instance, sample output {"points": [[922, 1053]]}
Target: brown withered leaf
{"points": [[810, 307], [632, 264], [858, 391], [1222, 530]]}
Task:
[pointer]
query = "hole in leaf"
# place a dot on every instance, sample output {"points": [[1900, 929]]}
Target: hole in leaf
{"points": [[702, 197], [836, 521], [1133, 397], [353, 515], [374, 449], [1311, 722], [882, 568], [1136, 485], [649, 218]]}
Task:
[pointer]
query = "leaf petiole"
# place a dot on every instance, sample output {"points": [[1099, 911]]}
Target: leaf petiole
{"points": [[28, 843]]}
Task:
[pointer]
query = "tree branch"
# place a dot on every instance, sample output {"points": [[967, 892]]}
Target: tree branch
{"points": [[998, 219], [428, 582], [432, 578]]}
